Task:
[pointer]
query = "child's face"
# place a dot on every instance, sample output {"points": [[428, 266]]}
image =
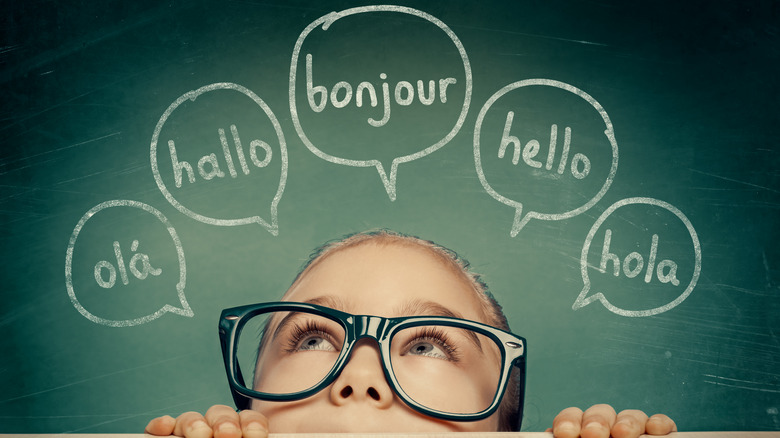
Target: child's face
{"points": [[388, 281]]}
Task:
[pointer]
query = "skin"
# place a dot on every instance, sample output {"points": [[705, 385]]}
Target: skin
{"points": [[384, 280]]}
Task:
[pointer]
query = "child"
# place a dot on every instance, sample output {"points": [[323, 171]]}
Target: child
{"points": [[391, 275]]}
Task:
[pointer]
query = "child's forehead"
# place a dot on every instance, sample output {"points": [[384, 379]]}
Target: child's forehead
{"points": [[388, 280]]}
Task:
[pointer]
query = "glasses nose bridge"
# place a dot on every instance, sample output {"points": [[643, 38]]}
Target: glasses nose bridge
{"points": [[369, 327]]}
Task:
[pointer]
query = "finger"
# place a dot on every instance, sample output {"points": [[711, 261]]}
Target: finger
{"points": [[192, 425], [660, 424], [253, 424], [161, 426], [629, 424], [597, 421], [567, 423], [223, 421]]}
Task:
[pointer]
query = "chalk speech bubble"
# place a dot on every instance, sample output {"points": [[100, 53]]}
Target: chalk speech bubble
{"points": [[580, 166], [634, 264], [106, 274], [226, 161], [403, 93]]}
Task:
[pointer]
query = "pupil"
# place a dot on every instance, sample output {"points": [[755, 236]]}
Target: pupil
{"points": [[312, 342]]}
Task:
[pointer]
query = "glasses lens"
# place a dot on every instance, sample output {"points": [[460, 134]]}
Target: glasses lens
{"points": [[288, 352], [449, 369]]}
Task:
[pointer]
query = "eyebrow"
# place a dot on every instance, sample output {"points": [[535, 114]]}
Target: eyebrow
{"points": [[415, 307], [419, 307]]}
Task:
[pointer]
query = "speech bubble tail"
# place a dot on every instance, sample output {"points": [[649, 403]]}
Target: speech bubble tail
{"points": [[519, 221], [272, 227], [583, 299], [388, 181], [185, 309]]}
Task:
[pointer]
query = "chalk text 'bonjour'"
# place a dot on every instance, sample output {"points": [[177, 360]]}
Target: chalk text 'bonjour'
{"points": [[404, 93]]}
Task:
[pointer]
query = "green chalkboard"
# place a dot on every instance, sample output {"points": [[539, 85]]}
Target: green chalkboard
{"points": [[610, 168]]}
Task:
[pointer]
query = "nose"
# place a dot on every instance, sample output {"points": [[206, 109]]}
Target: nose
{"points": [[362, 379]]}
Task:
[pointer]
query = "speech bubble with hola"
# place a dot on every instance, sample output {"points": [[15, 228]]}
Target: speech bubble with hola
{"points": [[654, 268], [513, 159], [404, 87], [221, 143], [106, 273]]}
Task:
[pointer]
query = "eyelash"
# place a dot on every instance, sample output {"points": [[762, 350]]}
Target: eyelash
{"points": [[430, 334], [438, 337], [300, 332]]}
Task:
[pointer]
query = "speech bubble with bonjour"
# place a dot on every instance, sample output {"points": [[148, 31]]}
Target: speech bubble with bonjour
{"points": [[378, 86]]}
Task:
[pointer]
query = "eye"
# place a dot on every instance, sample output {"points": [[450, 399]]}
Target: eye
{"points": [[315, 341], [429, 341], [427, 349], [311, 336]]}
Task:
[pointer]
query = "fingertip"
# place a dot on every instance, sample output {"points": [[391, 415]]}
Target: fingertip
{"points": [[255, 430], [227, 430], [595, 429], [565, 429], [161, 426], [626, 428], [660, 424], [254, 424]]}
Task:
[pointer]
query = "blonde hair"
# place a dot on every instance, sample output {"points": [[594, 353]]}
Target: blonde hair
{"points": [[489, 307]]}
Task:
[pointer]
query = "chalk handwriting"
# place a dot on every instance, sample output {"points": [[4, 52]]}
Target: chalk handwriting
{"points": [[403, 93], [579, 167], [141, 274], [209, 165], [234, 161], [139, 265], [386, 92], [665, 271], [580, 164]]}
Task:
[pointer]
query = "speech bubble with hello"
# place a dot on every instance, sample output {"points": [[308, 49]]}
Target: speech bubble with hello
{"points": [[123, 260], [641, 257], [546, 149], [403, 94], [219, 156]]}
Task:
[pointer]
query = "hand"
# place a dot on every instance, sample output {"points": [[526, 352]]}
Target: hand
{"points": [[220, 420], [601, 421]]}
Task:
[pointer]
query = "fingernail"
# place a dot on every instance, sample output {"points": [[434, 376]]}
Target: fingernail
{"points": [[199, 429], [565, 425], [227, 428], [255, 429], [255, 426], [594, 426]]}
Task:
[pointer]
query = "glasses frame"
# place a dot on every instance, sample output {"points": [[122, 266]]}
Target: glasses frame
{"points": [[380, 329]]}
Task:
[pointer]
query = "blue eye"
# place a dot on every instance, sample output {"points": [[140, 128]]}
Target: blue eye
{"points": [[427, 349], [311, 336], [430, 342], [315, 342]]}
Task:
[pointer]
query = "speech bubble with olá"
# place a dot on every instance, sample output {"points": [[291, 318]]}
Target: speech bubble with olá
{"points": [[642, 257], [546, 149], [378, 86], [123, 260], [218, 155]]}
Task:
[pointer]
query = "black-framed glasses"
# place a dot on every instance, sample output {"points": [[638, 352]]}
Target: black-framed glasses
{"points": [[448, 368]]}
